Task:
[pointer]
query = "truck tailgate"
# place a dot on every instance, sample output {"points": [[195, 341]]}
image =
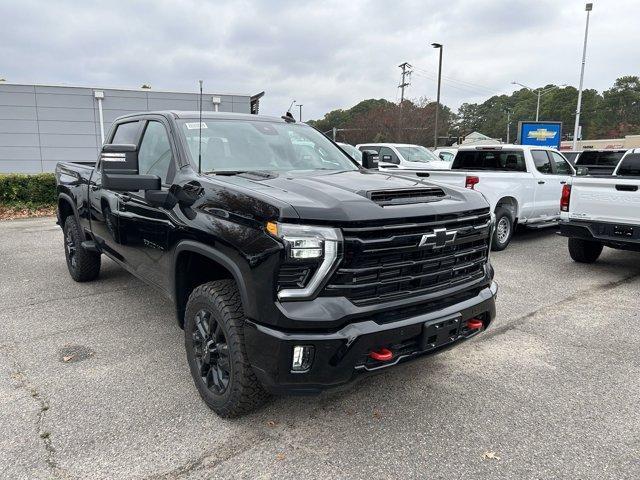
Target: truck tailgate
{"points": [[613, 200]]}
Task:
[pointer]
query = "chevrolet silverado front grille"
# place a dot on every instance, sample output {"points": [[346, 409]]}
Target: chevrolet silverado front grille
{"points": [[389, 262]]}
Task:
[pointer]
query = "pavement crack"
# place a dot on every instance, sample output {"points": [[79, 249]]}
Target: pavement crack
{"points": [[502, 329], [224, 452], [22, 380]]}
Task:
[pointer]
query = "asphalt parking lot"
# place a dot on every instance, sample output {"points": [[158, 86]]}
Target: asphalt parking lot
{"points": [[94, 383]]}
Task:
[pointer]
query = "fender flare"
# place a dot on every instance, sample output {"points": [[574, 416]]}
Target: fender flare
{"points": [[67, 198], [218, 257]]}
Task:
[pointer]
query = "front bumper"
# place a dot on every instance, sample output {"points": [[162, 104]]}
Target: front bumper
{"points": [[343, 355]]}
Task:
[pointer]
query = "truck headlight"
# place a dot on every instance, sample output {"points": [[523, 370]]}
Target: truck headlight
{"points": [[308, 243]]}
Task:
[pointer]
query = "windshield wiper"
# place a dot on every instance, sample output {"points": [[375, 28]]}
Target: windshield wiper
{"points": [[257, 173]]}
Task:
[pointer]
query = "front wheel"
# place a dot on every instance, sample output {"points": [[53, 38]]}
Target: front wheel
{"points": [[584, 251], [214, 340], [504, 229]]}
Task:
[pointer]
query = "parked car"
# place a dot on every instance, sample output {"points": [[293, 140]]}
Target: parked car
{"points": [[603, 211], [599, 162], [352, 151], [571, 155], [522, 183], [292, 269], [404, 155], [446, 154]]}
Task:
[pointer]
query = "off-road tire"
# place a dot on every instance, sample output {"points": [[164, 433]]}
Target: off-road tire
{"points": [[244, 392], [501, 240], [584, 251], [83, 264]]}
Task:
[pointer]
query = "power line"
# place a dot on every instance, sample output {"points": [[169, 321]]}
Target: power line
{"points": [[451, 80]]}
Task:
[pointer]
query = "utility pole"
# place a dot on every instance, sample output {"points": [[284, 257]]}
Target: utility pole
{"points": [[435, 133], [576, 128], [404, 82], [508, 126], [406, 71], [300, 107]]}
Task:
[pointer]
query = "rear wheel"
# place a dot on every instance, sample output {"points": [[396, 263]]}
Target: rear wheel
{"points": [[503, 231], [214, 340], [83, 265], [584, 251]]}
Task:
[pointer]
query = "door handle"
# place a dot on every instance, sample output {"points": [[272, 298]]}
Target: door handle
{"points": [[540, 182]]}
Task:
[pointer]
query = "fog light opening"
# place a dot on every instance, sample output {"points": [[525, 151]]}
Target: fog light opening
{"points": [[302, 358]]}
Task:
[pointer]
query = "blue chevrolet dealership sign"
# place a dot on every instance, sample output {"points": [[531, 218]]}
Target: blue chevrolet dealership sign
{"points": [[542, 134]]}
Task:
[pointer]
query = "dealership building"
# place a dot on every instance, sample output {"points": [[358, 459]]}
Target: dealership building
{"points": [[41, 125]]}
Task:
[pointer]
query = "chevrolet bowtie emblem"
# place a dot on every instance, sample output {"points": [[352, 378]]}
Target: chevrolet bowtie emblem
{"points": [[438, 239], [541, 134]]}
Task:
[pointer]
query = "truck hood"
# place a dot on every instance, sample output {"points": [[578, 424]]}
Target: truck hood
{"points": [[343, 196]]}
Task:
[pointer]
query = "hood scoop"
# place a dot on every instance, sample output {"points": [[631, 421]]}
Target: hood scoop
{"points": [[406, 196]]}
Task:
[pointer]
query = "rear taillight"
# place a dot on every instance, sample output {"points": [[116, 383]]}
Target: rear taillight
{"points": [[566, 198], [471, 181]]}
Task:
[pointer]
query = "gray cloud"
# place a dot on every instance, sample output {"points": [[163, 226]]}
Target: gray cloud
{"points": [[326, 55]]}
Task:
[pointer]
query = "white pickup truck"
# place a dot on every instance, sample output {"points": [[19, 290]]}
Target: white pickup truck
{"points": [[522, 183], [600, 211]]}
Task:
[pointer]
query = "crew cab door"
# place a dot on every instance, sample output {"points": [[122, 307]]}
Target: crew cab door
{"points": [[145, 230], [103, 203], [551, 174]]}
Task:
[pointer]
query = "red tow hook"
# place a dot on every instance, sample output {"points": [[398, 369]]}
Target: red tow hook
{"points": [[475, 324], [381, 355]]}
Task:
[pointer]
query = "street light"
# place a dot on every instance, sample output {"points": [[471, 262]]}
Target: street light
{"points": [[576, 128], [540, 93], [435, 135]]}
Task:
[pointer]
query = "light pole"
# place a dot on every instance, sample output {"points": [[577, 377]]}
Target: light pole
{"points": [[435, 134], [576, 128], [540, 92], [508, 125], [300, 107]]}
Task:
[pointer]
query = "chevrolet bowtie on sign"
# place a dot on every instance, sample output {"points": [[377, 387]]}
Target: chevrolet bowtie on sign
{"points": [[438, 239]]}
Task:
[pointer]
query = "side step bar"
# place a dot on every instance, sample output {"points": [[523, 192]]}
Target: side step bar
{"points": [[90, 246]]}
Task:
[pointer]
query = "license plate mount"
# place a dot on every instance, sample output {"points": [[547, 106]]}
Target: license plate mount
{"points": [[437, 333], [623, 231]]}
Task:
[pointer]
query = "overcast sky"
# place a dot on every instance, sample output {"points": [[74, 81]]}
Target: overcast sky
{"points": [[324, 54]]}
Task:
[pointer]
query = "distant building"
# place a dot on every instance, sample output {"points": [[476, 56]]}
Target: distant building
{"points": [[41, 125], [477, 138], [630, 141]]}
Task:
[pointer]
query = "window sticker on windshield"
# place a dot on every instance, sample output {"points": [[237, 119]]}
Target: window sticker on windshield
{"points": [[265, 128], [195, 125]]}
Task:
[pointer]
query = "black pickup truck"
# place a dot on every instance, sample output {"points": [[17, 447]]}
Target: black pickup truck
{"points": [[292, 268]]}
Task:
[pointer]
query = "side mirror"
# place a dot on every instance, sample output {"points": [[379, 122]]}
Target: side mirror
{"points": [[582, 171], [119, 168], [370, 159]]}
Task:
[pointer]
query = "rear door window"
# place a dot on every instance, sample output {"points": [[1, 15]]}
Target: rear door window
{"points": [[126, 133], [541, 161], [630, 166], [494, 160]]}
